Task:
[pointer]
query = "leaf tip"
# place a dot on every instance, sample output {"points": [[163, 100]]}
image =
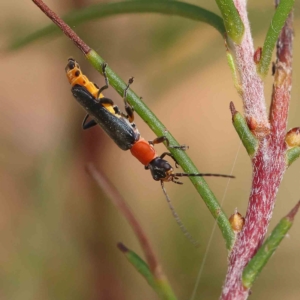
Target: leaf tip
{"points": [[291, 215], [122, 247], [232, 108]]}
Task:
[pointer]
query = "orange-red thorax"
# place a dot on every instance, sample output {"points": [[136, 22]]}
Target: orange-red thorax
{"points": [[143, 151]]}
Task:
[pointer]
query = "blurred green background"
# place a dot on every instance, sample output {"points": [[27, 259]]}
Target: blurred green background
{"points": [[58, 232]]}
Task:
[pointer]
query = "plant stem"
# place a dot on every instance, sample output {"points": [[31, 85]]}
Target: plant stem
{"points": [[282, 81], [185, 162], [269, 163], [121, 205], [232, 20], [256, 264], [161, 284], [282, 11], [63, 26], [158, 128], [251, 83], [249, 141]]}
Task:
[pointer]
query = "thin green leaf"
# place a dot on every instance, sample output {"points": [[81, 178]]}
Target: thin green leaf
{"points": [[277, 22], [98, 11], [234, 72], [249, 141], [256, 264], [161, 287], [185, 162], [232, 20]]}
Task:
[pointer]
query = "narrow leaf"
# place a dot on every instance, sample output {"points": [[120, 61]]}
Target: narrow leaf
{"points": [[256, 264], [232, 20], [235, 76], [277, 22], [248, 139], [161, 287], [99, 11], [160, 130]]}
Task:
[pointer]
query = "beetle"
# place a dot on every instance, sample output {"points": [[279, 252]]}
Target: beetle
{"points": [[123, 131], [120, 127]]}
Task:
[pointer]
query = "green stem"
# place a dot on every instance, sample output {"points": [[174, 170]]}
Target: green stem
{"points": [[232, 20], [234, 72], [98, 11], [277, 22], [249, 141], [161, 287], [160, 130], [256, 264]]}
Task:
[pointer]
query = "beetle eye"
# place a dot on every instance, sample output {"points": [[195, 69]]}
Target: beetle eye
{"points": [[166, 166]]}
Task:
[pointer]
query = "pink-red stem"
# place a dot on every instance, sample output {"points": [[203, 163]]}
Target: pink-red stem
{"points": [[63, 26], [269, 163], [121, 205]]}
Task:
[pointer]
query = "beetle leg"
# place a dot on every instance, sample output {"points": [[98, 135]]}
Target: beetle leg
{"points": [[106, 101], [89, 124], [162, 139], [129, 109], [104, 65], [169, 154]]}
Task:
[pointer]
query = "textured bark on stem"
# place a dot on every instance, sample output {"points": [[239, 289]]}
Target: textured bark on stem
{"points": [[268, 168], [282, 80], [269, 163], [251, 83]]}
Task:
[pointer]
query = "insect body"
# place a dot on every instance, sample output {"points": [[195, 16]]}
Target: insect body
{"points": [[121, 129], [103, 110], [117, 127]]}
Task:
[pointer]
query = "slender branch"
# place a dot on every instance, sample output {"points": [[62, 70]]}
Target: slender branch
{"points": [[248, 139], [270, 160], [251, 83], [160, 130], [232, 20], [184, 161], [139, 265], [282, 11], [63, 26], [161, 287], [282, 81], [161, 284], [271, 244], [121, 205]]}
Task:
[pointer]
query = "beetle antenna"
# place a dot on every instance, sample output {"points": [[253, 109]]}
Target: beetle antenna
{"points": [[202, 175], [179, 222]]}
